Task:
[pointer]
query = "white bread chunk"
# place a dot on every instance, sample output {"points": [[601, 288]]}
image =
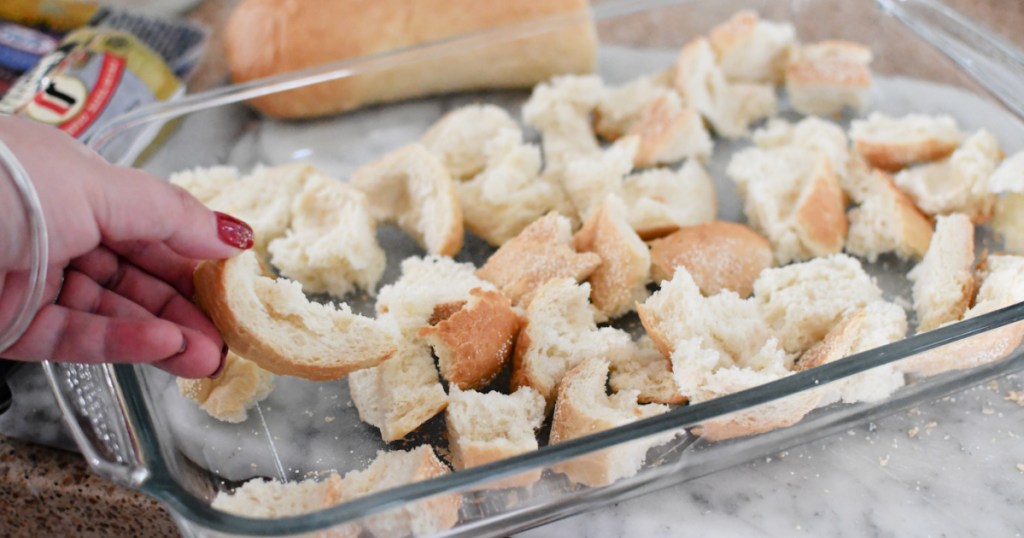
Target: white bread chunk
{"points": [[487, 427], [619, 108], [412, 188], [766, 366], [396, 468], [887, 221], [811, 133], [718, 255], [474, 342], [541, 252], [621, 279], [229, 396], [645, 370], [873, 326], [460, 137], [331, 246], [1008, 220], [733, 328], [263, 199], [508, 194], [1009, 176], [269, 499], [792, 196], [583, 408], [589, 180], [825, 77], [205, 183], [752, 50], [271, 323], [559, 332], [1002, 285], [803, 301], [943, 281], [959, 183], [895, 143], [561, 110], [669, 132], [425, 284], [662, 200], [400, 394], [730, 108]]}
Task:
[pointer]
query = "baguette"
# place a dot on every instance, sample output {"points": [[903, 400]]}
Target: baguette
{"points": [[752, 50], [814, 134], [823, 78], [271, 323], [718, 255], [887, 221], [660, 200], [230, 395], [892, 144], [668, 132], [943, 281], [410, 187], [583, 408], [263, 38]]}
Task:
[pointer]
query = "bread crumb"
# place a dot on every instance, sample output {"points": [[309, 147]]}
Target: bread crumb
{"points": [[328, 419], [987, 410], [993, 386], [1015, 396], [884, 461], [914, 411], [930, 426], [912, 433], [1020, 467]]}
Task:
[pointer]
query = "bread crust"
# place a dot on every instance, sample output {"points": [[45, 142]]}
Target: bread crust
{"points": [[719, 256], [220, 290], [474, 343], [268, 37], [821, 214]]}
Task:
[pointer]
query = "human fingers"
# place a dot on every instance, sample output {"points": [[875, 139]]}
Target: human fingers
{"points": [[160, 261], [201, 357]]}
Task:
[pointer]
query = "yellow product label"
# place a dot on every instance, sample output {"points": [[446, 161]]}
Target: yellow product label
{"points": [[139, 59], [59, 15]]}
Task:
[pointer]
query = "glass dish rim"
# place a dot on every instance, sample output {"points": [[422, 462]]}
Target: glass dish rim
{"points": [[162, 485]]}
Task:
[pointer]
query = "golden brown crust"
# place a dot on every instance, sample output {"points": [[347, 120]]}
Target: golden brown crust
{"points": [[523, 264], [475, 342], [268, 37], [718, 255], [657, 128], [837, 343], [649, 319], [618, 282], [917, 227], [520, 373], [821, 215], [737, 30], [894, 156]]}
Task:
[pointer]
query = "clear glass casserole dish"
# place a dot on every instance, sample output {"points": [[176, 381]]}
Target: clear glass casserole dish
{"points": [[133, 429]]}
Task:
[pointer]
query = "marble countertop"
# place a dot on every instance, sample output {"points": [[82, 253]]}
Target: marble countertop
{"points": [[953, 467]]}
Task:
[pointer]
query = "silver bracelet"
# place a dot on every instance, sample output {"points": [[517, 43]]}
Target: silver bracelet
{"points": [[38, 252]]}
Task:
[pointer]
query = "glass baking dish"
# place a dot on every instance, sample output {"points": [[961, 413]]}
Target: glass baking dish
{"points": [[133, 431]]}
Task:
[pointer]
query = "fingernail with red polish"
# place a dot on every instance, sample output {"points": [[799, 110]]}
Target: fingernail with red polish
{"points": [[223, 361], [233, 231]]}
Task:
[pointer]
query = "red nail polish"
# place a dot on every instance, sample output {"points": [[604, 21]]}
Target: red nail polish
{"points": [[233, 231], [223, 360]]}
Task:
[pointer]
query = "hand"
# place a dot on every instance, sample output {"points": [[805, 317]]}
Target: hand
{"points": [[122, 248]]}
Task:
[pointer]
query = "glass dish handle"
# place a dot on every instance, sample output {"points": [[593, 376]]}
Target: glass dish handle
{"points": [[993, 62], [95, 412]]}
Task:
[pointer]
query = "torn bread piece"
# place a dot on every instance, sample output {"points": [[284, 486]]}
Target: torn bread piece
{"points": [[1008, 220], [559, 332], [1002, 285], [487, 427], [887, 221], [824, 78], [943, 281], [541, 252], [561, 110], [229, 396], [508, 194], [662, 200], [460, 137], [718, 255], [331, 245], [645, 370], [427, 284], [892, 144], [814, 134], [730, 108], [584, 408], [588, 181], [271, 323], [621, 279], [793, 196], [871, 327], [959, 183], [731, 327], [669, 132], [263, 199], [803, 301], [400, 394], [270, 499], [205, 183], [752, 50], [620, 108], [391, 469], [473, 343], [412, 188]]}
